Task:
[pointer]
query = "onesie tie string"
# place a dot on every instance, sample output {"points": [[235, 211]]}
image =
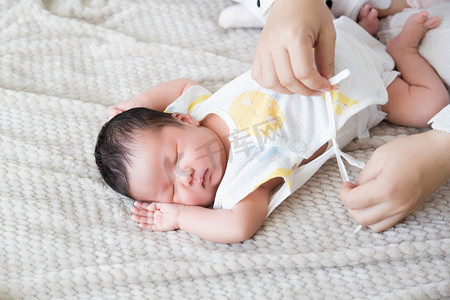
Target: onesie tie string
{"points": [[332, 123]]}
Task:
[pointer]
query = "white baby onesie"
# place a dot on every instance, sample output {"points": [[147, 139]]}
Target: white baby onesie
{"points": [[270, 133]]}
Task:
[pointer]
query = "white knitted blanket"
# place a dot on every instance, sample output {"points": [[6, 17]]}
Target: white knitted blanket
{"points": [[65, 235]]}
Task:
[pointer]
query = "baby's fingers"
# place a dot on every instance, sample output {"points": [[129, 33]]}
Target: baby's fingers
{"points": [[145, 205], [142, 219], [145, 222], [141, 210], [147, 226]]}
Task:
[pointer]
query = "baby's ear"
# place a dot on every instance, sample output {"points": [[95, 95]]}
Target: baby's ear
{"points": [[185, 118]]}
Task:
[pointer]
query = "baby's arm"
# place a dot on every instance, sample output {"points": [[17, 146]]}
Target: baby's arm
{"points": [[222, 226], [227, 226], [157, 97]]}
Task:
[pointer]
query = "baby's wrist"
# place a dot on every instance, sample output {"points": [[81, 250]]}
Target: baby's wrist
{"points": [[179, 217]]}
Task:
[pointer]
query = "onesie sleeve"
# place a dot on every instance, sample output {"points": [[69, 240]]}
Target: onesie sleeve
{"points": [[186, 103], [441, 121]]}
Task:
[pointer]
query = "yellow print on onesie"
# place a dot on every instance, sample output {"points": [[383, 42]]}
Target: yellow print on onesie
{"points": [[340, 101], [197, 101], [280, 172], [257, 113]]}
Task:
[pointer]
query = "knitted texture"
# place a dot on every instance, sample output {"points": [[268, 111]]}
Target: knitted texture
{"points": [[65, 235]]}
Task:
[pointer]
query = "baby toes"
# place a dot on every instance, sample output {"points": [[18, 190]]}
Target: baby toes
{"points": [[432, 23]]}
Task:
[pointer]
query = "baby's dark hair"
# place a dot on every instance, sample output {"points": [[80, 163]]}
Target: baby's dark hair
{"points": [[113, 149]]}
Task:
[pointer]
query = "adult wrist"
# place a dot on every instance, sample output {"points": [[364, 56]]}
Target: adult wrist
{"points": [[439, 148]]}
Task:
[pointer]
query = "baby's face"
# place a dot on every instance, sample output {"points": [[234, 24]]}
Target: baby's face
{"points": [[182, 165]]}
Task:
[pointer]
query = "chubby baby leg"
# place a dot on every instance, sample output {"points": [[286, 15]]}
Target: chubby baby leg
{"points": [[419, 93]]}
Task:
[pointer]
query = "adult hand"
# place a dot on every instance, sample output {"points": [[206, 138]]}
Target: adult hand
{"points": [[296, 34], [156, 216], [398, 178]]}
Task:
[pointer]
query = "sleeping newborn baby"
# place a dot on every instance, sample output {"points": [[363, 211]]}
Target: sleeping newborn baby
{"points": [[216, 165]]}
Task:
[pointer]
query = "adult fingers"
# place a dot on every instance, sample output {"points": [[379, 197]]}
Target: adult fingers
{"points": [[286, 75], [373, 168], [302, 59], [257, 68], [386, 223], [360, 196], [373, 214], [324, 54], [265, 73]]}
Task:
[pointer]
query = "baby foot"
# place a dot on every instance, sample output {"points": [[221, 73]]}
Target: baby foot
{"points": [[368, 19], [412, 33]]}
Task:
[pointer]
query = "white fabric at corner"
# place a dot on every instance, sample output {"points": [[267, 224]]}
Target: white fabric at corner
{"points": [[441, 121]]}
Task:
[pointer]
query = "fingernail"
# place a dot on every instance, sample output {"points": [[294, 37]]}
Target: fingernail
{"points": [[317, 94], [336, 87]]}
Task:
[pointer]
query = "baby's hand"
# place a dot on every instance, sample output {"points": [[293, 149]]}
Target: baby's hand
{"points": [[121, 107], [156, 216]]}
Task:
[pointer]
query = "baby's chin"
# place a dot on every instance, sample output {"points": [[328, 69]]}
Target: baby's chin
{"points": [[211, 202], [208, 202]]}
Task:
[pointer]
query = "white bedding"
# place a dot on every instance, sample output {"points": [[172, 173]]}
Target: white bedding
{"points": [[65, 234]]}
